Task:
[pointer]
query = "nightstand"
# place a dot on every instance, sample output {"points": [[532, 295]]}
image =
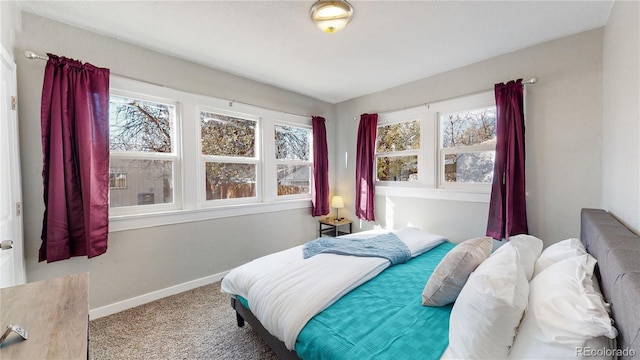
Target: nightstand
{"points": [[331, 227]]}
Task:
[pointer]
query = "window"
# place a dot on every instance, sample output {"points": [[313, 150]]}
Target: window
{"points": [[180, 157], [294, 167], [397, 149], [230, 156], [143, 151], [117, 180], [443, 150], [468, 143]]}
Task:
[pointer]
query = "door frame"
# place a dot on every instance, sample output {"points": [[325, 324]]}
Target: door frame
{"points": [[13, 138]]}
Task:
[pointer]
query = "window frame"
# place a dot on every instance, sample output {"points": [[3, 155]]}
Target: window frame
{"points": [[189, 193], [309, 162], [476, 148], [430, 184], [174, 156], [397, 117], [204, 159]]}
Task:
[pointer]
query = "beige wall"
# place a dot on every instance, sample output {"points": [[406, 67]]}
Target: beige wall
{"points": [[621, 114], [563, 138], [146, 260], [10, 21]]}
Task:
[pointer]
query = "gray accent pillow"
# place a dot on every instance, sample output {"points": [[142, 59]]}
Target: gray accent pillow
{"points": [[454, 269]]}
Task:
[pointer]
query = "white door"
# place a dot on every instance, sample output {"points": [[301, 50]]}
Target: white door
{"points": [[12, 254]]}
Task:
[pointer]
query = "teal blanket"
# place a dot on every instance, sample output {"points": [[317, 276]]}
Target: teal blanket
{"points": [[383, 318], [387, 246]]}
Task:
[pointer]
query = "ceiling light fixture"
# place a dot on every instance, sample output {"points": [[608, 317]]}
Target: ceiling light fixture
{"points": [[331, 16]]}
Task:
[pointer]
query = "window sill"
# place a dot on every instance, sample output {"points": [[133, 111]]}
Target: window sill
{"points": [[140, 221], [436, 194]]}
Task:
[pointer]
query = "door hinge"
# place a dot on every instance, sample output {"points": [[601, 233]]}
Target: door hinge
{"points": [[18, 208], [14, 103]]}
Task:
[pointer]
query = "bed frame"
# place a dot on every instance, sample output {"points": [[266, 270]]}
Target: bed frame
{"points": [[617, 250], [242, 314]]}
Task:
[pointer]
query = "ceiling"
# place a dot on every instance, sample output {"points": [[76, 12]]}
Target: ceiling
{"points": [[388, 43]]}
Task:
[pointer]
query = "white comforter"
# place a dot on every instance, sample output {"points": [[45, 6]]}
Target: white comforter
{"points": [[285, 291]]}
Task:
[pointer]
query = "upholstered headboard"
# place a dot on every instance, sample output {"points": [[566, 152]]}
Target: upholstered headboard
{"points": [[617, 250]]}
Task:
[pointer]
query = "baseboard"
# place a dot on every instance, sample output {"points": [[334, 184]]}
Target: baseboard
{"points": [[152, 296]]}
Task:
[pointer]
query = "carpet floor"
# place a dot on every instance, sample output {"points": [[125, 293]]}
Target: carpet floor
{"points": [[196, 324]]}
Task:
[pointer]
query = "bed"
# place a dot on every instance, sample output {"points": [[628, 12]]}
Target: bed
{"points": [[355, 323]]}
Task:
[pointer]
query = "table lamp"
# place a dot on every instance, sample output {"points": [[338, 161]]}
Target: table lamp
{"points": [[338, 203]]}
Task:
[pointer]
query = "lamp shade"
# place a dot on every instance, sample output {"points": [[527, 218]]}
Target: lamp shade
{"points": [[331, 16], [337, 202]]}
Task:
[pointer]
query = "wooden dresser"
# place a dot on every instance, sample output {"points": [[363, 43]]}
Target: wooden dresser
{"points": [[55, 313]]}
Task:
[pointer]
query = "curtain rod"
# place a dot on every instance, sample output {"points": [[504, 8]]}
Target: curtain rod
{"points": [[33, 56], [531, 81]]}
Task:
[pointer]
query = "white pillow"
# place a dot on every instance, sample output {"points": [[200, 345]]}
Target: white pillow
{"points": [[529, 248], [557, 252], [489, 308], [564, 312], [448, 278], [418, 241]]}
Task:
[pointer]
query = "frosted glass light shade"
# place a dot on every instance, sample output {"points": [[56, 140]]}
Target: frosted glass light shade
{"points": [[331, 16]]}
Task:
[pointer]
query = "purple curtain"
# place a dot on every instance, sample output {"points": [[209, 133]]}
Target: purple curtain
{"points": [[365, 163], [75, 151], [507, 209], [320, 199]]}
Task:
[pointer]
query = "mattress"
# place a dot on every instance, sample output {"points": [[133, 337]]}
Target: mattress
{"points": [[284, 291], [382, 319]]}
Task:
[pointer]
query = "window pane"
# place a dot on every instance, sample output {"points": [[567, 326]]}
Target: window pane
{"points": [[292, 143], [294, 179], [117, 180], [398, 137], [227, 136], [139, 125], [468, 127], [146, 182], [230, 180], [469, 167], [397, 168]]}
